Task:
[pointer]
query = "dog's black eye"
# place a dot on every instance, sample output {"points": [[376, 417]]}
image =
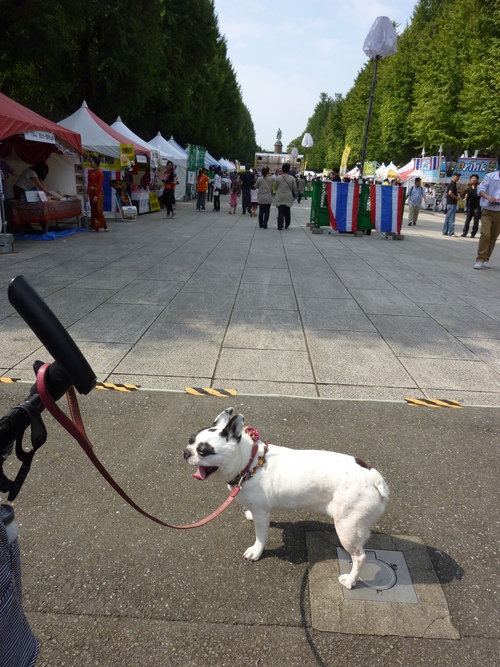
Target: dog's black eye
{"points": [[204, 449]]}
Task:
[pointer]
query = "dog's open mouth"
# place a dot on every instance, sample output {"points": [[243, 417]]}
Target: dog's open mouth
{"points": [[204, 472]]}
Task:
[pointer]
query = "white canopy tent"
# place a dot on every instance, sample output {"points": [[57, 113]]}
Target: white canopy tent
{"points": [[94, 138], [180, 161], [173, 143], [120, 127]]}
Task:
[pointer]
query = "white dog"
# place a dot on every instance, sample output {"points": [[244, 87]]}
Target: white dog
{"points": [[349, 490]]}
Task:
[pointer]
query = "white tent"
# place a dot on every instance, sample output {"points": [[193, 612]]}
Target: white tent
{"points": [[173, 143], [94, 138], [97, 136], [180, 161], [120, 127], [404, 171], [227, 165]]}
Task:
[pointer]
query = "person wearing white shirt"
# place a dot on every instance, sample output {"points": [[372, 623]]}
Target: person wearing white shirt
{"points": [[414, 199], [217, 188], [489, 191]]}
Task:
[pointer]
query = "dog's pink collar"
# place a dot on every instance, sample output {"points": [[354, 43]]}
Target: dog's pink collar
{"points": [[247, 473]]}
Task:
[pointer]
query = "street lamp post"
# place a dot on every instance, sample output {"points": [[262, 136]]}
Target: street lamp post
{"points": [[381, 41]]}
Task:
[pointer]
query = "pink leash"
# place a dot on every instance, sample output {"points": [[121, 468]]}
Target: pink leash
{"points": [[75, 428]]}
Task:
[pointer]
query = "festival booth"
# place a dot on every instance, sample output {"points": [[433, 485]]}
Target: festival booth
{"points": [[145, 195], [179, 157], [403, 172], [99, 138], [27, 138]]}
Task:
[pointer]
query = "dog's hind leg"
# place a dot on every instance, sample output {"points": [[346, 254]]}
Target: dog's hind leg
{"points": [[261, 519], [352, 537]]}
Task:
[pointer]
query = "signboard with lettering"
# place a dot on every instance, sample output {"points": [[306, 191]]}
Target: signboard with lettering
{"points": [[40, 135], [107, 162], [478, 166], [154, 204], [126, 154]]}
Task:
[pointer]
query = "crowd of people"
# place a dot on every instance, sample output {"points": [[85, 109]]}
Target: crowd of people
{"points": [[257, 190]]}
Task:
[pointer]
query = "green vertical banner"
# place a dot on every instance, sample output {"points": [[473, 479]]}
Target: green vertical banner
{"points": [[201, 157], [191, 176]]}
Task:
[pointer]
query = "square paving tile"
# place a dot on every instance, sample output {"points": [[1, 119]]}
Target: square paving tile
{"points": [[115, 323], [456, 374], [157, 353], [276, 365], [419, 337], [265, 329], [333, 314], [357, 358]]}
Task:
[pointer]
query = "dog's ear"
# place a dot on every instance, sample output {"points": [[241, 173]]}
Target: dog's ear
{"points": [[234, 428], [222, 419]]}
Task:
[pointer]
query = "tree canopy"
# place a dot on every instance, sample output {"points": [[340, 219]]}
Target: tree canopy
{"points": [[440, 88], [159, 64]]}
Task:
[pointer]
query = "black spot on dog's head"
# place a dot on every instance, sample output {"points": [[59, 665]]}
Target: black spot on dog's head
{"points": [[204, 449]]}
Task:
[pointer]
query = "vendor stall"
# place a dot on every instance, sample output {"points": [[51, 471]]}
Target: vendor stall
{"points": [[27, 139], [102, 140]]}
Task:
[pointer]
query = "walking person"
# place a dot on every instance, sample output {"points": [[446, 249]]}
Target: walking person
{"points": [[489, 191], [217, 188], [211, 185], [233, 200], [255, 202], [414, 198], [246, 182], [452, 199], [264, 187], [95, 195], [168, 196], [202, 181], [301, 187], [286, 188], [473, 201]]}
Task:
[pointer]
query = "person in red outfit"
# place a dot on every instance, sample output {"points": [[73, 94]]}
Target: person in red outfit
{"points": [[95, 195]]}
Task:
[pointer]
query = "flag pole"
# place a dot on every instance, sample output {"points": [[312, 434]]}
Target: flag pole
{"points": [[370, 104]]}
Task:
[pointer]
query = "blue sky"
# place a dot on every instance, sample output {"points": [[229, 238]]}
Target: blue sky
{"points": [[285, 53]]}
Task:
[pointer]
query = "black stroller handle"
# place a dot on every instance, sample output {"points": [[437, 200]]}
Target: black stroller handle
{"points": [[47, 328], [70, 368]]}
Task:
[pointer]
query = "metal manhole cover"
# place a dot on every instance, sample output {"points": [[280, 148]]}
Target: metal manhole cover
{"points": [[384, 577]]}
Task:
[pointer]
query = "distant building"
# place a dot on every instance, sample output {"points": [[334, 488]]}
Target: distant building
{"points": [[277, 159]]}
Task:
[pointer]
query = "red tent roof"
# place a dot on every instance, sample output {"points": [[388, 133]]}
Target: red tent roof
{"points": [[15, 119]]}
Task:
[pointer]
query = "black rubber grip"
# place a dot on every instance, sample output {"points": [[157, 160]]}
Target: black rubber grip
{"points": [[47, 328]]}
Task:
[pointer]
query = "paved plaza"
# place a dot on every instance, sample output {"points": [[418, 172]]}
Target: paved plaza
{"points": [[322, 337], [211, 300]]}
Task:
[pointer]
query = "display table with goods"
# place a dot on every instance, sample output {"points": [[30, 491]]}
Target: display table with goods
{"points": [[21, 213]]}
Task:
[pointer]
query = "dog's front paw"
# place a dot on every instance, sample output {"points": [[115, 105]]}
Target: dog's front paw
{"points": [[248, 515], [346, 581], [253, 553]]}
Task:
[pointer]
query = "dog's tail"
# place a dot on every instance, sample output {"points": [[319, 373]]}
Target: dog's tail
{"points": [[380, 483]]}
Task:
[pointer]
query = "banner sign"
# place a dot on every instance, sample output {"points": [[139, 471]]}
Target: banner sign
{"points": [[192, 158], [369, 169], [477, 166], [386, 208], [107, 162], [40, 135], [154, 204], [343, 162], [126, 154], [155, 159], [432, 167], [343, 203], [201, 157]]}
